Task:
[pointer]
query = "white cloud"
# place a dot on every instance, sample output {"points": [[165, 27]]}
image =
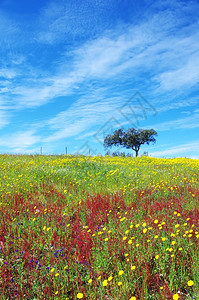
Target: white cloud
{"points": [[7, 73], [178, 150], [19, 140], [189, 122]]}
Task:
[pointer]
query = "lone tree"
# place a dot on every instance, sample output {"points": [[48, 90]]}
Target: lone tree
{"points": [[132, 138]]}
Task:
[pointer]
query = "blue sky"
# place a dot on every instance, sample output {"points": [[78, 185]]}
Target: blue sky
{"points": [[71, 72]]}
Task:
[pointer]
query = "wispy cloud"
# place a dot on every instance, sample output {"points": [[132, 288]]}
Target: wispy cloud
{"points": [[178, 150], [20, 140], [189, 122]]}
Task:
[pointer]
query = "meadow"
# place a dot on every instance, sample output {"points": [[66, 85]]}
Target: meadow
{"points": [[77, 227]]}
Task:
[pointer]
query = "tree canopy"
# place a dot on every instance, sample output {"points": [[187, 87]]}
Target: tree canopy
{"points": [[132, 138]]}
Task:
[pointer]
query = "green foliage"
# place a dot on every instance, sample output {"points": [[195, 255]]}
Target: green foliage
{"points": [[132, 138]]}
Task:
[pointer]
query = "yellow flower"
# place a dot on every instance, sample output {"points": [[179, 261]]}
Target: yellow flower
{"points": [[110, 278], [163, 239], [190, 283], [144, 230], [161, 288], [180, 249], [133, 267], [173, 243], [90, 281], [156, 236], [156, 221], [137, 225], [124, 238], [119, 283], [137, 245], [121, 272], [130, 242], [52, 270], [106, 239], [148, 241], [157, 256], [105, 282], [57, 274], [79, 296], [99, 277], [144, 224], [56, 292], [175, 297], [132, 298]]}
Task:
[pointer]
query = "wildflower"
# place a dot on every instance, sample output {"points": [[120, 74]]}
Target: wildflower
{"points": [[132, 298], [156, 236], [56, 292], [163, 239], [79, 296], [119, 283], [137, 225], [156, 221], [110, 278], [57, 274], [137, 245], [133, 268], [190, 283], [175, 297], [173, 243], [106, 239], [130, 242], [52, 270], [161, 288], [177, 225], [90, 281], [105, 282], [180, 249], [121, 272], [144, 230], [148, 241], [144, 224], [99, 277], [124, 238], [157, 256]]}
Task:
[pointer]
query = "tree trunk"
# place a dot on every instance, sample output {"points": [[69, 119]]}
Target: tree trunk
{"points": [[136, 153]]}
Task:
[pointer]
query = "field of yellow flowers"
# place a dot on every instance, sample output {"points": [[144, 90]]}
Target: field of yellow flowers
{"points": [[77, 227]]}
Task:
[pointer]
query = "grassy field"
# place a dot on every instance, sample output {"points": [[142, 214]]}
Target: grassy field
{"points": [[75, 227]]}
